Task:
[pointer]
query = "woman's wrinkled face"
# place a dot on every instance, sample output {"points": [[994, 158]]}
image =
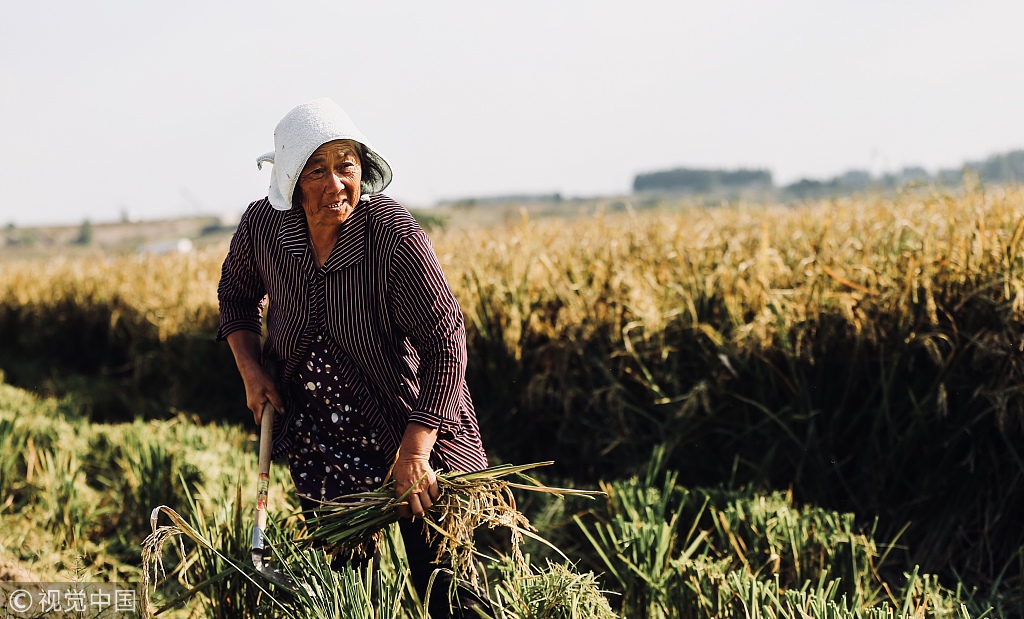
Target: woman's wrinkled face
{"points": [[329, 183]]}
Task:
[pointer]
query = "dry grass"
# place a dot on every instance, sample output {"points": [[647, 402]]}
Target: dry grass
{"points": [[173, 293]]}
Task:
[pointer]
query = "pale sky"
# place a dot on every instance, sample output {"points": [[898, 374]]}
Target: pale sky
{"points": [[159, 109]]}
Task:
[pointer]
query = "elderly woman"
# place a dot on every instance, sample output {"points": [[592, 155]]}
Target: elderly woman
{"points": [[365, 353]]}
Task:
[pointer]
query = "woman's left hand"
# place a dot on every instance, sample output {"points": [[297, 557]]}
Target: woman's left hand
{"points": [[413, 471]]}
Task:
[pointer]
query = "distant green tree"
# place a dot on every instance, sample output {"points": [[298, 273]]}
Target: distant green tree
{"points": [[853, 180], [25, 237], [429, 220], [914, 173], [808, 188], [1004, 168], [1007, 168], [85, 234]]}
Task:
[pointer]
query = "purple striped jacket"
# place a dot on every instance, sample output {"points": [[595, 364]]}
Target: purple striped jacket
{"points": [[387, 307]]}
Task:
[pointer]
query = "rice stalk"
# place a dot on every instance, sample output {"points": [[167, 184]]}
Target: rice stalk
{"points": [[13, 443], [556, 591], [153, 568], [329, 591], [67, 505]]}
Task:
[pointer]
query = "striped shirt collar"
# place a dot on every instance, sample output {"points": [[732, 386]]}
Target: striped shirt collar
{"points": [[348, 251]]}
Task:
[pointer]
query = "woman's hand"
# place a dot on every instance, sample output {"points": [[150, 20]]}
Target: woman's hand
{"points": [[259, 386], [259, 389], [412, 472]]}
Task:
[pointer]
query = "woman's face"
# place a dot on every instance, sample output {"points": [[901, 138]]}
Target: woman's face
{"points": [[329, 183]]}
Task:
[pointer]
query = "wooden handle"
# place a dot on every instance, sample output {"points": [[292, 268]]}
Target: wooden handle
{"points": [[263, 483], [266, 437]]}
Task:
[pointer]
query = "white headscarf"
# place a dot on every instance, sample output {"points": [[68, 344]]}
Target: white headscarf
{"points": [[303, 130]]}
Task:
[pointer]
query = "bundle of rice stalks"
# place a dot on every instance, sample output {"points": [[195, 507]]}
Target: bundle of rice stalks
{"points": [[467, 501]]}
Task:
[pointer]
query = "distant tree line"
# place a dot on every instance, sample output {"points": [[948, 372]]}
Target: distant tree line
{"points": [[692, 180], [1004, 168]]}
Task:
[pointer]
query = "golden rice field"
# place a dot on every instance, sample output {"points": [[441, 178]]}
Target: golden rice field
{"points": [[862, 357], [773, 267]]}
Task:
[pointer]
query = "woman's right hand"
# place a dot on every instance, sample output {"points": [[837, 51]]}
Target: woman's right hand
{"points": [[260, 389], [259, 386]]}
